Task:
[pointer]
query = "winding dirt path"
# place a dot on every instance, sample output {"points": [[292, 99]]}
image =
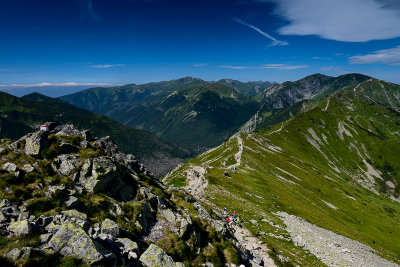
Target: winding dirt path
{"points": [[238, 155]]}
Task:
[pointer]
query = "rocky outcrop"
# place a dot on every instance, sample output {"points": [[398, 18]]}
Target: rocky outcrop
{"points": [[94, 204], [36, 143]]}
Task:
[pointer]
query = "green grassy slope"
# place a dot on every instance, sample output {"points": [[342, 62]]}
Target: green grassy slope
{"points": [[35, 109], [335, 165], [188, 112]]}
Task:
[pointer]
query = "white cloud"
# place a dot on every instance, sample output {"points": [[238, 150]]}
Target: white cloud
{"points": [[267, 66], [386, 56], [106, 66], [321, 58], [55, 84], [200, 65], [273, 39], [282, 67], [341, 20], [233, 67]]}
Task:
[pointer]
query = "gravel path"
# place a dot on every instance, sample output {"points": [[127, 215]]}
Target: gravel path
{"points": [[331, 248]]}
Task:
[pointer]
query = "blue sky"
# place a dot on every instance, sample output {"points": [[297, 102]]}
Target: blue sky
{"points": [[137, 41]]}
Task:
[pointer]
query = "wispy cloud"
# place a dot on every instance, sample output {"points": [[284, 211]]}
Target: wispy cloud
{"points": [[341, 20], [266, 66], [55, 84], [273, 39], [232, 67], [386, 56], [282, 67], [200, 65], [106, 66], [321, 58]]}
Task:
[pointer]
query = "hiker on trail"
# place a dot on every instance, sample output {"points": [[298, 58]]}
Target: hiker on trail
{"points": [[237, 220], [224, 210], [228, 220], [234, 214], [190, 191]]}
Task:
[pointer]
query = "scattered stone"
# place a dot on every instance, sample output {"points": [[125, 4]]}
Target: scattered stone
{"points": [[10, 167], [8, 190], [28, 168]]}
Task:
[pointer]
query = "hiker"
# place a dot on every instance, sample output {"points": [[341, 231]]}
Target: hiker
{"points": [[228, 220], [237, 220], [224, 210], [234, 214], [190, 191]]}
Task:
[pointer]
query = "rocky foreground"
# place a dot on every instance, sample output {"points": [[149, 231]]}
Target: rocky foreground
{"points": [[67, 198]]}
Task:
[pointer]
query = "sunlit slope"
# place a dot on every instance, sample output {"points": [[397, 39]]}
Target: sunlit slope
{"points": [[335, 166]]}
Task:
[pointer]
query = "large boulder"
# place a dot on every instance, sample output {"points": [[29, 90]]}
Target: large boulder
{"points": [[36, 143], [102, 171], [65, 164], [72, 240], [154, 256], [20, 227]]}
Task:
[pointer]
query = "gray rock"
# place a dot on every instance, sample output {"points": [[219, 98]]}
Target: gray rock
{"points": [[72, 240], [20, 227], [3, 218], [19, 253], [106, 145], [8, 190], [10, 167], [4, 203], [126, 245], [72, 202], [28, 168], [110, 228], [145, 218], [45, 237], [36, 143], [103, 172], [87, 136], [65, 164], [154, 256], [67, 129], [23, 216], [74, 214], [84, 144]]}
